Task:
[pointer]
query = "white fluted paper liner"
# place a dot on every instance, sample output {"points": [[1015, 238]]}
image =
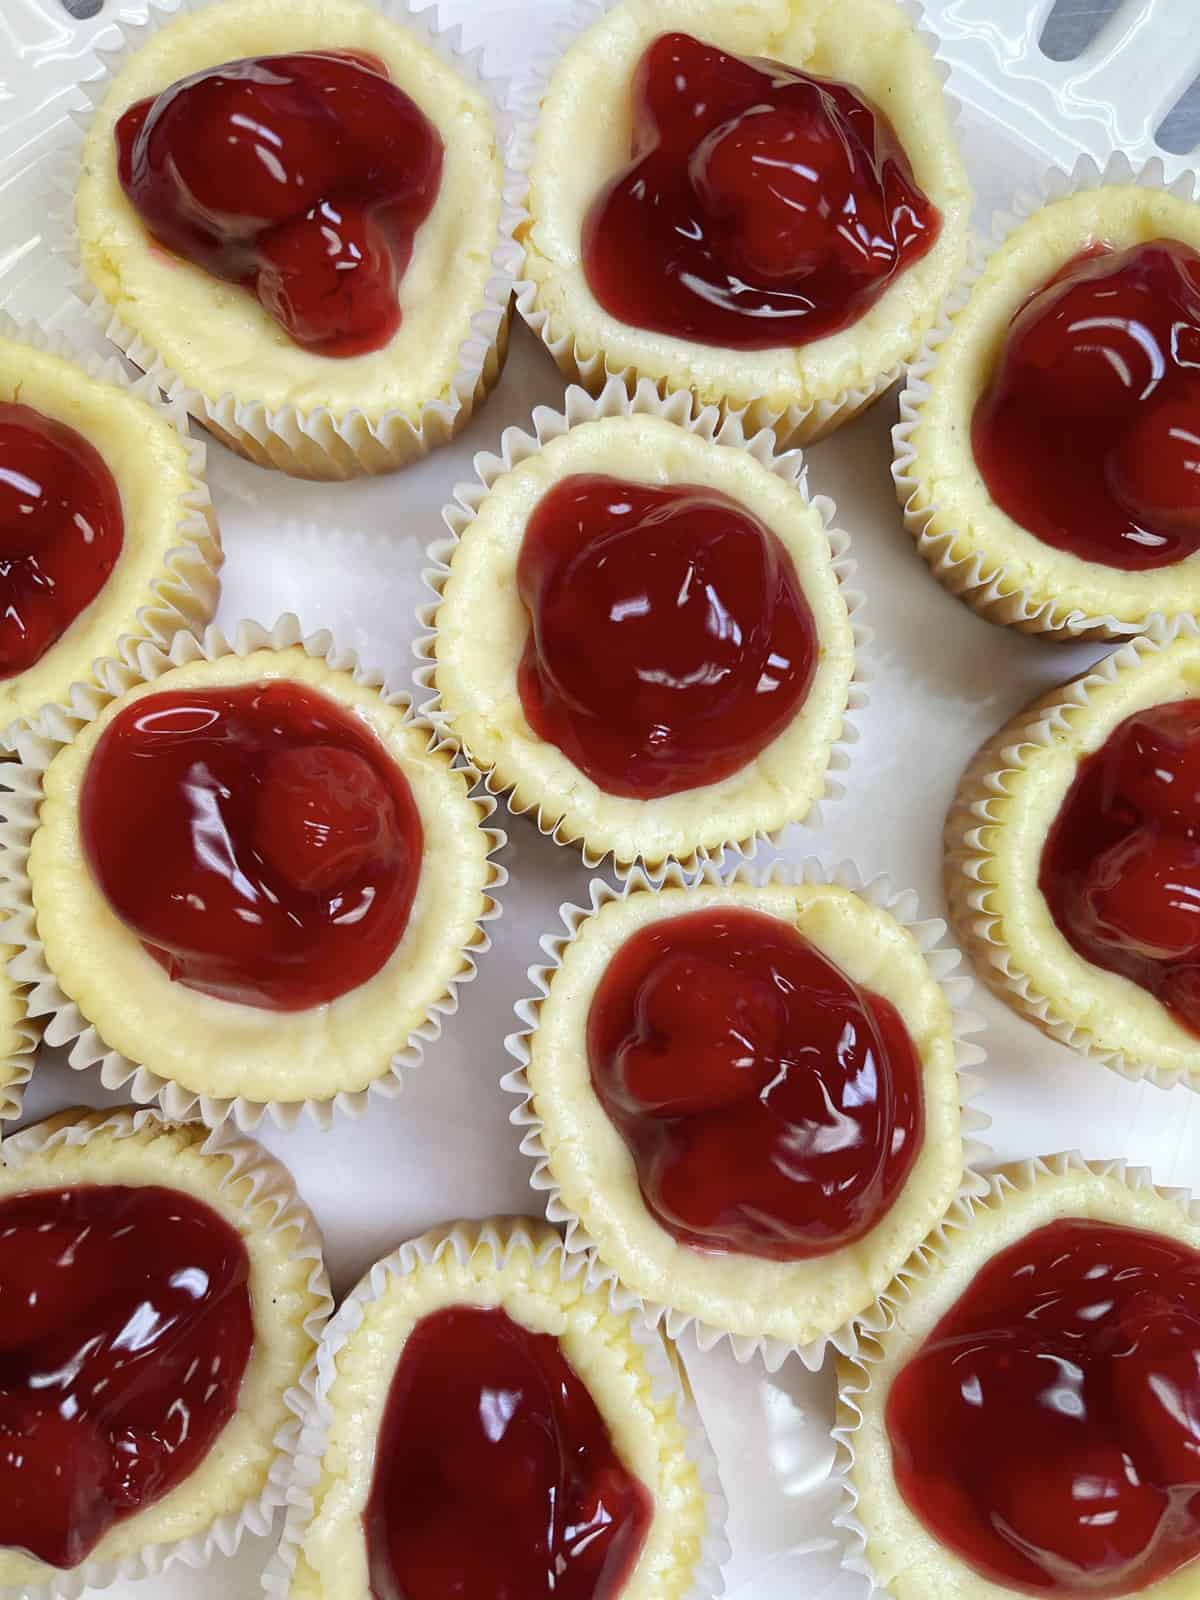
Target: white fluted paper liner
{"points": [[316, 442], [272, 1193], [183, 592], [516, 446], [1009, 752], [66, 1024], [855, 1374], [17, 1064], [792, 425], [980, 580], [500, 1236], [940, 960]]}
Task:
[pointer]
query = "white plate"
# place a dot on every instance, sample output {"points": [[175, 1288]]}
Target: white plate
{"points": [[349, 557]]}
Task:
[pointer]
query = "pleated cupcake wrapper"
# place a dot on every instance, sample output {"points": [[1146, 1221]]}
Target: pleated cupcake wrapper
{"points": [[271, 1184], [985, 584], [314, 443], [66, 1024], [1006, 754], [184, 592], [19, 1064], [792, 425], [856, 1373], [516, 446], [502, 1236], [941, 961]]}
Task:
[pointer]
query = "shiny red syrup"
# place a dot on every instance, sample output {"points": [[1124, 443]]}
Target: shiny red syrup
{"points": [[1120, 868], [61, 531], [1048, 1429], [258, 840], [125, 1328], [303, 178], [670, 640], [763, 207], [771, 1106], [495, 1477], [1089, 433]]}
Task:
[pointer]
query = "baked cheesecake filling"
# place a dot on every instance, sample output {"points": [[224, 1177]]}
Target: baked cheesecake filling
{"points": [[771, 1106], [669, 641], [302, 178], [125, 1329], [257, 839], [61, 532], [1120, 869], [495, 1475], [1088, 433], [1048, 1429], [763, 206]]}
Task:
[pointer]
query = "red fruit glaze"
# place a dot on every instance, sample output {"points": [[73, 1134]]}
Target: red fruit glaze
{"points": [[495, 1476], [771, 1106], [61, 531], [670, 640], [284, 843], [1120, 867], [763, 207], [125, 1328], [1048, 1429], [1089, 433], [326, 172]]}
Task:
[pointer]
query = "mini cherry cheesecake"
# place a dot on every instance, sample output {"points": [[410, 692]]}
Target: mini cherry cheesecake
{"points": [[337, 257], [106, 527], [162, 1294], [1073, 861], [1030, 1422], [487, 1423], [641, 633], [1049, 453], [767, 210], [746, 1095], [254, 875]]}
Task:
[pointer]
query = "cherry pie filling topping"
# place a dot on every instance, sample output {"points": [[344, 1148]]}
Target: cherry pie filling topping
{"points": [[302, 178], [771, 1106], [763, 206], [258, 840]]}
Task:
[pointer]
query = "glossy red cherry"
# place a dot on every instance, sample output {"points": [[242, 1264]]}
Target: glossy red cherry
{"points": [[1155, 766], [61, 531], [1155, 472], [1143, 895], [495, 1474], [1120, 869], [1088, 434], [771, 1107], [1046, 1429], [764, 207], [127, 1328], [327, 170], [286, 842], [322, 815], [669, 640]]}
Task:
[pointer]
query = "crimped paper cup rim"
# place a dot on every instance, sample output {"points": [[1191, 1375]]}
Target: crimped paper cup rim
{"points": [[502, 1236], [286, 433], [183, 591], [940, 961], [793, 424], [66, 1025], [706, 422], [20, 1062], [980, 581], [855, 1371], [272, 1183], [1032, 730]]}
